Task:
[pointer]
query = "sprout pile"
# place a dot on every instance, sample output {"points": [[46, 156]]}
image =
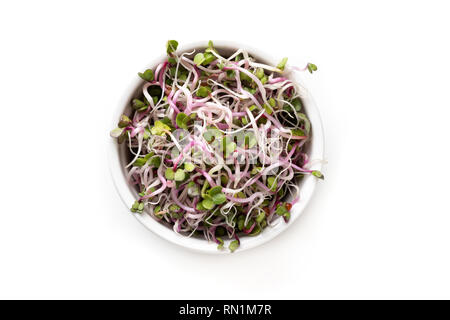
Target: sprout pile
{"points": [[216, 144]]}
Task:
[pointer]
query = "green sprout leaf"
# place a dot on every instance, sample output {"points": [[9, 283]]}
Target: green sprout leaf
{"points": [[220, 245], [219, 198], [241, 222], [139, 162], [199, 58], [115, 133], [312, 67], [182, 120], [298, 132], [264, 80], [159, 128], [155, 161], [209, 57], [169, 174], [147, 75], [282, 64], [203, 91], [259, 73], [256, 170], [317, 174], [200, 207], [261, 216], [138, 105], [135, 206], [179, 175], [215, 190], [297, 104], [208, 204], [189, 167], [250, 140], [268, 109], [272, 183], [233, 245], [272, 102], [305, 121], [230, 148], [124, 121], [193, 189], [244, 77], [281, 210], [212, 133], [172, 46]]}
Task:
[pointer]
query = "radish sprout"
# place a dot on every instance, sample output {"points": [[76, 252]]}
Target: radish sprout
{"points": [[216, 145]]}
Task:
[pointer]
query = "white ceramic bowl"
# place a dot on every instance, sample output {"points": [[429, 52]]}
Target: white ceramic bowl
{"points": [[129, 195]]}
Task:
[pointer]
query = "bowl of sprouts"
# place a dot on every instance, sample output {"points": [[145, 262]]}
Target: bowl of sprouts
{"points": [[217, 147]]}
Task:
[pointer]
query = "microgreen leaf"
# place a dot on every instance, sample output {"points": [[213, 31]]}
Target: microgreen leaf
{"points": [[159, 128], [212, 133], [169, 174], [317, 174], [250, 140], [135, 206], [179, 175], [220, 245], [199, 58], [155, 161], [268, 109], [272, 102], [230, 148], [193, 189], [147, 133], [312, 67], [281, 210], [272, 183], [282, 64], [219, 198], [305, 120], [209, 57], [260, 217], [298, 132], [256, 170], [259, 73], [139, 162], [122, 137], [241, 222], [189, 167], [115, 133], [297, 103], [138, 105], [215, 190], [182, 120], [244, 77], [233, 245], [147, 75], [264, 80], [172, 46], [124, 121], [203, 91], [208, 204], [200, 206]]}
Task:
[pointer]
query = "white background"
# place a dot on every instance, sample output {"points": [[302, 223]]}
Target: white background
{"points": [[378, 226]]}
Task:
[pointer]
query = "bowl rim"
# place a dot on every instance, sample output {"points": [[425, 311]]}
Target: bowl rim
{"points": [[201, 245]]}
